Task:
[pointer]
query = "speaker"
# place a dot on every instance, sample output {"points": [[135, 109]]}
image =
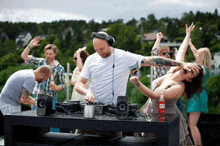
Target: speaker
{"points": [[109, 38], [122, 107], [44, 105]]}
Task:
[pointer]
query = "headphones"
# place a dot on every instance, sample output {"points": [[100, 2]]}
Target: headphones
{"points": [[108, 38]]}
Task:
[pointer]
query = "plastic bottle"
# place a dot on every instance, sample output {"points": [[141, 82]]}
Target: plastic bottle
{"points": [[161, 104], [52, 81], [161, 118], [66, 80]]}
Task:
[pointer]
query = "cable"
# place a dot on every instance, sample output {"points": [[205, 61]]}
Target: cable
{"points": [[113, 67]]}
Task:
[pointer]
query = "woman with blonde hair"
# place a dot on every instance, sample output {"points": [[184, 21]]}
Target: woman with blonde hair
{"points": [[199, 102]]}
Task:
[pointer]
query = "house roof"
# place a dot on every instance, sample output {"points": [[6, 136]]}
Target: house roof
{"points": [[152, 37]]}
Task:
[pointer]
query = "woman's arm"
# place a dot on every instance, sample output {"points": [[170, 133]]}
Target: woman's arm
{"points": [[79, 59], [158, 40], [183, 48], [195, 52], [174, 92]]}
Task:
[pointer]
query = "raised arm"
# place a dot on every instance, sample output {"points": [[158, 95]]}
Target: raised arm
{"points": [[195, 52], [183, 48], [79, 59], [158, 40], [174, 92], [34, 43], [26, 98]]}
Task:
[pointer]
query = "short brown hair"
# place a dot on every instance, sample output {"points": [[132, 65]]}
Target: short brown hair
{"points": [[45, 69], [52, 47]]}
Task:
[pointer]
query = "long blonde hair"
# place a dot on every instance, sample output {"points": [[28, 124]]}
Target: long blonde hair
{"points": [[205, 57]]}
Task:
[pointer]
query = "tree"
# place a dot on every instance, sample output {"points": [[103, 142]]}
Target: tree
{"points": [[197, 35], [152, 21], [188, 18], [133, 22], [125, 37], [9, 46], [8, 60], [213, 89], [134, 94]]}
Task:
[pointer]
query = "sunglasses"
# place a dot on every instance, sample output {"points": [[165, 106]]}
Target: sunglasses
{"points": [[75, 58], [164, 53]]}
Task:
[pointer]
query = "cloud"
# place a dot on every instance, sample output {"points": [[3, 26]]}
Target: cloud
{"points": [[183, 3], [39, 15], [99, 10]]}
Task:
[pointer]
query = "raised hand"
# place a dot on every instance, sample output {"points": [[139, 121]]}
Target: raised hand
{"points": [[191, 67], [190, 28], [160, 35], [135, 80], [81, 49], [35, 42]]}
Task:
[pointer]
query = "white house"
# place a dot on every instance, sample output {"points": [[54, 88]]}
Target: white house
{"points": [[216, 64], [43, 37], [23, 38]]}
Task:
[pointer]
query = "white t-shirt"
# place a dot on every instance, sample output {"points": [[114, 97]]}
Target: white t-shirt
{"points": [[101, 72]]}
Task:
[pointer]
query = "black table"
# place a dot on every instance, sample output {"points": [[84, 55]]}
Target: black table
{"points": [[28, 128]]}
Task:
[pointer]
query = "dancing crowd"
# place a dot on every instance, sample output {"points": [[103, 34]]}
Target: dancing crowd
{"points": [[103, 76]]}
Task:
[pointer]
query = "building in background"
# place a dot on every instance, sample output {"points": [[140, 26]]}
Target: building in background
{"points": [[216, 64], [23, 39]]}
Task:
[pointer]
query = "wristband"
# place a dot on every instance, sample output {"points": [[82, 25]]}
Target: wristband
{"points": [[29, 47]]}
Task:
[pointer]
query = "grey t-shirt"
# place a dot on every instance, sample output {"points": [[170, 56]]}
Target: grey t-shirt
{"points": [[11, 93]]}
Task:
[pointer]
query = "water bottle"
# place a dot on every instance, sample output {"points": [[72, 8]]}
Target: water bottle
{"points": [[161, 104], [66, 80]]}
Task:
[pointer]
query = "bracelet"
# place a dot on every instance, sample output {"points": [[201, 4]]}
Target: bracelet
{"points": [[138, 84], [29, 47]]}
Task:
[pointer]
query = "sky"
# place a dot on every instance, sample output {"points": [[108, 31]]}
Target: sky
{"points": [[100, 10]]}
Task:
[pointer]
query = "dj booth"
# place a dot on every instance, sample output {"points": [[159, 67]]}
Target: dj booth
{"points": [[27, 128]]}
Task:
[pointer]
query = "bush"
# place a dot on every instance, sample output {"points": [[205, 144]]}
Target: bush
{"points": [[179, 39], [6, 73], [134, 94]]}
